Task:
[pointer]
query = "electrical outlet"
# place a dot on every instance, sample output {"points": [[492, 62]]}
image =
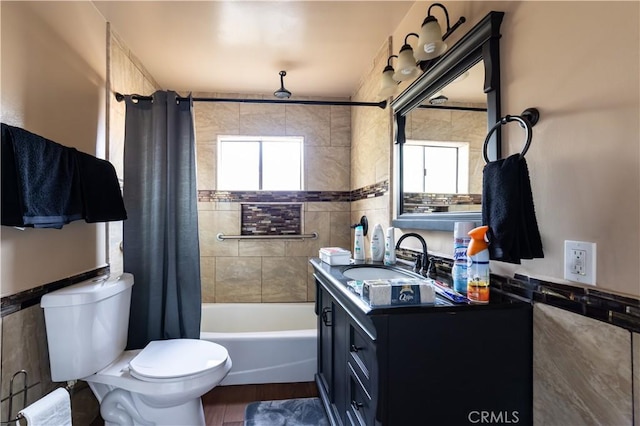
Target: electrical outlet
{"points": [[580, 262]]}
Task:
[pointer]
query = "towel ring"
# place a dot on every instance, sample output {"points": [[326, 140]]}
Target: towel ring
{"points": [[527, 119]]}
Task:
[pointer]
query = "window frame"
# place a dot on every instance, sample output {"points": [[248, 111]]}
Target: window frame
{"points": [[462, 151], [260, 140]]}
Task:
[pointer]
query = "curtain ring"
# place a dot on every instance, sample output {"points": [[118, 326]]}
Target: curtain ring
{"points": [[504, 120]]}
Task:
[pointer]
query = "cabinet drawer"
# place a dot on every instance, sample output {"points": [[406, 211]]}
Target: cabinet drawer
{"points": [[360, 407], [361, 354]]}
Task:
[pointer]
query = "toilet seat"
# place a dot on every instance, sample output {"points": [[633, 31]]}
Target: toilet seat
{"points": [[118, 375], [164, 360]]}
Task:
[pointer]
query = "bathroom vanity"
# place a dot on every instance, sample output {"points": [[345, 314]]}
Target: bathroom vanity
{"points": [[438, 364]]}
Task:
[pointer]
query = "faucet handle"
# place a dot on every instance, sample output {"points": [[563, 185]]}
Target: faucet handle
{"points": [[432, 271], [418, 266]]}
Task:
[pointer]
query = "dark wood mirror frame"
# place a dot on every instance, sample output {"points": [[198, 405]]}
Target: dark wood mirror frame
{"points": [[481, 43]]}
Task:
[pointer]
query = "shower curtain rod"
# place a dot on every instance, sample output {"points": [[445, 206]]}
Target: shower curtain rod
{"points": [[382, 104], [455, 108]]}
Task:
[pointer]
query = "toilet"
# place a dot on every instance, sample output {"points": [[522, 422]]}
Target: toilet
{"points": [[161, 384]]}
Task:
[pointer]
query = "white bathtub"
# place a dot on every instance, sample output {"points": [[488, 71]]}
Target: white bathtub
{"points": [[267, 342]]}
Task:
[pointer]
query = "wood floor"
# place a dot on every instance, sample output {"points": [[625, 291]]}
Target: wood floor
{"points": [[225, 405]]}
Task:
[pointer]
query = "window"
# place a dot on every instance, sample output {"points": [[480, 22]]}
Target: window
{"points": [[447, 160], [247, 163]]}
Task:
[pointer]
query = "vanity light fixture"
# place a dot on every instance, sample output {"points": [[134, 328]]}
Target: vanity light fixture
{"points": [[430, 46], [431, 40], [407, 68], [282, 93], [388, 87]]}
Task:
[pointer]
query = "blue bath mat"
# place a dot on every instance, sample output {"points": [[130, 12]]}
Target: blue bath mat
{"points": [[286, 412]]}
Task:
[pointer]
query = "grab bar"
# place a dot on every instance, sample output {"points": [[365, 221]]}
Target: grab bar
{"points": [[312, 236]]}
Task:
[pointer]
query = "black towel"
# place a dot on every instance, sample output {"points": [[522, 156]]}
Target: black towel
{"points": [[101, 195], [42, 188], [507, 208]]}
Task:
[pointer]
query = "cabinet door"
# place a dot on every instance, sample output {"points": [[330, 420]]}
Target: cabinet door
{"points": [[325, 342], [332, 358], [340, 369]]}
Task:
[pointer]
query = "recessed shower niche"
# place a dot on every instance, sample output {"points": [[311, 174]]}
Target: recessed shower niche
{"points": [[271, 219]]}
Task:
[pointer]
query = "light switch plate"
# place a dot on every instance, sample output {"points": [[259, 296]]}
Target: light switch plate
{"points": [[580, 262]]}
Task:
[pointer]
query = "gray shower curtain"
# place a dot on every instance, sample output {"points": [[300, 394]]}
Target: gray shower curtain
{"points": [[161, 247]]}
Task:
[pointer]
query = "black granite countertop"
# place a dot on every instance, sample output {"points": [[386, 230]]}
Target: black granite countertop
{"points": [[334, 275]]}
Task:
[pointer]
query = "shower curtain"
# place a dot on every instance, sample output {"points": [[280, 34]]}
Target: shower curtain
{"points": [[161, 247]]}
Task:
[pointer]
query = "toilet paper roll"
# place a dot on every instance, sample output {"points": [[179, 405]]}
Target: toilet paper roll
{"points": [[52, 410]]}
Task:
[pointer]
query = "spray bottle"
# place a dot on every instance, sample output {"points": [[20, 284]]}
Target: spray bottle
{"points": [[478, 266], [460, 243]]}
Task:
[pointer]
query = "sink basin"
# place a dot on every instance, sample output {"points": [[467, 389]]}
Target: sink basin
{"points": [[373, 273]]}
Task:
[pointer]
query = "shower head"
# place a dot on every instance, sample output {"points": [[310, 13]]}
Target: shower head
{"points": [[282, 93], [438, 100]]}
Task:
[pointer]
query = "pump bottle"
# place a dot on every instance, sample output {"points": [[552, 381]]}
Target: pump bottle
{"points": [[376, 246], [390, 247]]}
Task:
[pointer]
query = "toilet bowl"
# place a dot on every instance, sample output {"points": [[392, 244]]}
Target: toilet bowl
{"points": [[161, 384]]}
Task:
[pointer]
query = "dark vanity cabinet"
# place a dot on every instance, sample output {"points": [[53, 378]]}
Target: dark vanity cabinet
{"points": [[421, 365]]}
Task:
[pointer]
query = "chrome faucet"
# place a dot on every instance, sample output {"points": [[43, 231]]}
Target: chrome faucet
{"points": [[422, 261]]}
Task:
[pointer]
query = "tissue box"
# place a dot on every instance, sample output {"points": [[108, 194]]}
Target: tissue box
{"points": [[398, 291], [335, 256]]}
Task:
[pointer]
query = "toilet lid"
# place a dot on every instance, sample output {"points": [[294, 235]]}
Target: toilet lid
{"points": [[170, 359]]}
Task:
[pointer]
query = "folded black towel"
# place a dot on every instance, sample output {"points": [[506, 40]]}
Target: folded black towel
{"points": [[47, 185], [42, 185], [507, 208], [101, 195]]}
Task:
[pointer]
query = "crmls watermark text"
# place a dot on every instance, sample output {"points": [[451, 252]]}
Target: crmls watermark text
{"points": [[487, 417]]}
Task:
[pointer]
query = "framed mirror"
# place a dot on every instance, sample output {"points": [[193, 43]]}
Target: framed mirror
{"points": [[441, 122]]}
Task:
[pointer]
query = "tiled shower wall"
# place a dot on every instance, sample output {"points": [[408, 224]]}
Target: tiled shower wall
{"points": [[270, 270], [371, 147]]}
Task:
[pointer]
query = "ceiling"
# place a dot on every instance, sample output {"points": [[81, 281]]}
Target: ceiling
{"points": [[240, 46]]}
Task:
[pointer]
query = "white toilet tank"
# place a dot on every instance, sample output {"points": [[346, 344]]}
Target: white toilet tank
{"points": [[87, 325]]}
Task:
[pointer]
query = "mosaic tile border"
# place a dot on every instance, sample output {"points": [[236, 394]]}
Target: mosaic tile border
{"points": [[369, 191], [27, 298], [621, 311], [421, 202]]}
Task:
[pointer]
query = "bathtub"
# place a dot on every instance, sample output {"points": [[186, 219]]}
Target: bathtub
{"points": [[267, 342]]}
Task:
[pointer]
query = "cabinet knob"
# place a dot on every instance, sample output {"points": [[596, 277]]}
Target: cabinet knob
{"points": [[355, 348], [356, 405]]}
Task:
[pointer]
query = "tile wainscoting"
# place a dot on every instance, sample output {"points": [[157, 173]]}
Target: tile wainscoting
{"points": [[24, 347]]}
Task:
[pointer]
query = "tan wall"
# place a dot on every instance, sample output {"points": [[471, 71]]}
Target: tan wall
{"points": [[578, 63], [53, 69], [274, 270], [53, 84]]}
